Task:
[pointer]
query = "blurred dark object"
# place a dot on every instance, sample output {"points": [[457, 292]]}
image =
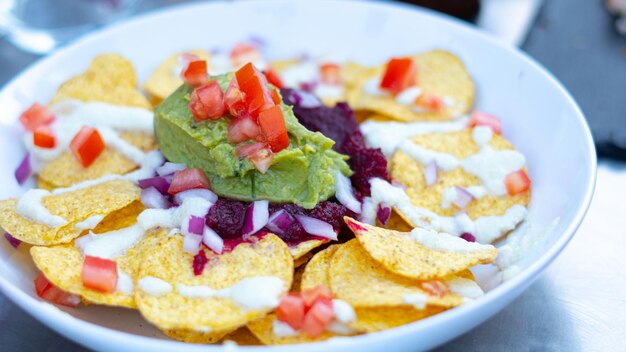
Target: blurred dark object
{"points": [[576, 40], [464, 9], [618, 9]]}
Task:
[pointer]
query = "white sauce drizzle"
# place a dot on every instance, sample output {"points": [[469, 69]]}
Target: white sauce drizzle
{"points": [[154, 286], [110, 245], [89, 223], [408, 96], [29, 206], [417, 300], [174, 217], [466, 288], [282, 329], [444, 242], [332, 91], [124, 282], [372, 87]]}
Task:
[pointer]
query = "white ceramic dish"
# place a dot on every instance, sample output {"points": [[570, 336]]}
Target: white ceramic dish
{"points": [[540, 118]]}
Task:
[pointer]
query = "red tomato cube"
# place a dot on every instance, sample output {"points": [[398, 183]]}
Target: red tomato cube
{"points": [[313, 294], [517, 182], [254, 86], [317, 317], [99, 274], [291, 310], [195, 73], [479, 118], [35, 116], [330, 74], [188, 179], [273, 77], [429, 102], [50, 293], [87, 145], [400, 74], [43, 137], [273, 128], [207, 102]]}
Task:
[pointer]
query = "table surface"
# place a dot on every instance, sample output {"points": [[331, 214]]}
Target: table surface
{"points": [[578, 304]]}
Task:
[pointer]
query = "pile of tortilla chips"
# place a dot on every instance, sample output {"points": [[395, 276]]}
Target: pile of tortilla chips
{"points": [[389, 278]]}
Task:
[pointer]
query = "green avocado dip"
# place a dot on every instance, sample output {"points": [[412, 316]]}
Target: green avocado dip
{"points": [[302, 174]]}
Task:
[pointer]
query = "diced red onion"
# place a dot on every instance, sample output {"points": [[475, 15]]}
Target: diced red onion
{"points": [[12, 240], [431, 173], [191, 243], [195, 225], [343, 193], [383, 213], [463, 197], [169, 168], [212, 240], [160, 183], [256, 218], [317, 227], [152, 198], [180, 197], [308, 87], [279, 222], [24, 170], [304, 99], [468, 237]]}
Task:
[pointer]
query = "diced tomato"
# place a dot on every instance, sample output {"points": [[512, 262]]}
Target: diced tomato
{"points": [[207, 102], [291, 310], [317, 317], [262, 160], [99, 274], [234, 99], [243, 53], [273, 77], [517, 182], [43, 137], [435, 288], [195, 73], [275, 96], [243, 129], [273, 128], [35, 116], [47, 291], [254, 85], [330, 74], [429, 102], [87, 145], [400, 74], [188, 179], [479, 118], [249, 150], [313, 294]]}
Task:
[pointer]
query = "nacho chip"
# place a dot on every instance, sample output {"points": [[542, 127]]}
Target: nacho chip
{"points": [[63, 264], [439, 72], [101, 199], [120, 219], [302, 248], [192, 336], [361, 281], [164, 80], [396, 222], [263, 329], [167, 262], [110, 78], [403, 255], [410, 172], [297, 279], [243, 337], [382, 318], [316, 270]]}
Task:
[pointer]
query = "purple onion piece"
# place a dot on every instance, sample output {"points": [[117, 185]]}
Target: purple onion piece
{"points": [[317, 227], [431, 173], [383, 214], [24, 170], [344, 194], [152, 198], [12, 240], [212, 240], [279, 222], [160, 183], [196, 225], [468, 237], [256, 218], [191, 243], [463, 197]]}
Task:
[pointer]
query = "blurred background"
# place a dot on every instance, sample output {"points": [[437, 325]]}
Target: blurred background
{"points": [[582, 42]]}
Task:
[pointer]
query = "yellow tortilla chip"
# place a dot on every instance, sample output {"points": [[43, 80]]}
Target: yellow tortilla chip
{"points": [[410, 172], [164, 80], [192, 336], [63, 264], [302, 248], [382, 318], [74, 207], [297, 279], [439, 72], [402, 255], [120, 219], [263, 330], [167, 262], [316, 270], [396, 222], [359, 280], [243, 337], [110, 78]]}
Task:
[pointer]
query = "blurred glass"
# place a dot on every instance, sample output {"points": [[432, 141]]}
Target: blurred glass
{"points": [[40, 26]]}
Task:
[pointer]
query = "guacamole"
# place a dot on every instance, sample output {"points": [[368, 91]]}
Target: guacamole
{"points": [[302, 174]]}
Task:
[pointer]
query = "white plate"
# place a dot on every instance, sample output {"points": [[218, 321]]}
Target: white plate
{"points": [[540, 118]]}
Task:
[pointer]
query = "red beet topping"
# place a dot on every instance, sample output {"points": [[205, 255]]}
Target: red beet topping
{"points": [[356, 226], [199, 262], [338, 123]]}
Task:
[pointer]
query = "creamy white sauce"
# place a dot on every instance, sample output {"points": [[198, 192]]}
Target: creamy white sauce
{"points": [[111, 245], [154, 286], [444, 242], [124, 282], [282, 329], [307, 71], [465, 288], [254, 293], [408, 96], [89, 223], [448, 196], [489, 228], [417, 300], [332, 91], [388, 135], [344, 312], [372, 87], [29, 206], [174, 217]]}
